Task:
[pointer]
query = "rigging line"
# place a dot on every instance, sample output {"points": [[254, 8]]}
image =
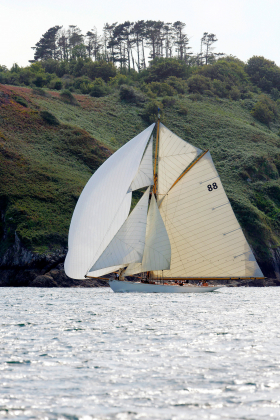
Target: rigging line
{"points": [[203, 182], [179, 154], [231, 231], [214, 208]]}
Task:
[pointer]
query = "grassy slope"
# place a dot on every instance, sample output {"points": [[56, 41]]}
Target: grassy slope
{"points": [[44, 168]]}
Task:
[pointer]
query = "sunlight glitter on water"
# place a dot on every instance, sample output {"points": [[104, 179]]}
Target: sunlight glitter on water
{"points": [[91, 354]]}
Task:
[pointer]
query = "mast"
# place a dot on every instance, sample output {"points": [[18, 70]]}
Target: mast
{"points": [[156, 152]]}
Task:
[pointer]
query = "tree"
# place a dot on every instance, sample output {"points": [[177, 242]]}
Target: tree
{"points": [[139, 36], [109, 42], [168, 33], [75, 38], [47, 45], [263, 73], [154, 37], [181, 40], [93, 43], [207, 42]]}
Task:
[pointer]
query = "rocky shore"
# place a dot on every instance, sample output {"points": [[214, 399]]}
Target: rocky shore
{"points": [[22, 268]]}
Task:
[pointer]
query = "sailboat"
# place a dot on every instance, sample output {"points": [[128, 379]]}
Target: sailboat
{"points": [[181, 234]]}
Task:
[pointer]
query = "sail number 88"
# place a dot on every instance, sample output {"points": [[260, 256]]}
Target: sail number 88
{"points": [[212, 187]]}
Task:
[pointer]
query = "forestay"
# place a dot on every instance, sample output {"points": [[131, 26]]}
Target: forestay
{"points": [[94, 222], [127, 246], [206, 239], [175, 155], [157, 251], [144, 176]]}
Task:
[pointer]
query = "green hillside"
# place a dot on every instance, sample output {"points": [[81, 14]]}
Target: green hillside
{"points": [[47, 158]]}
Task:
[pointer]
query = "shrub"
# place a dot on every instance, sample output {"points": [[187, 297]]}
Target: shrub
{"points": [[195, 97], [232, 72], [177, 83], [56, 84], [150, 112], [248, 104], [262, 113], [49, 118], [275, 94], [220, 89], [246, 93], [168, 101], [78, 81], [129, 94], [183, 110], [40, 81], [209, 93], [39, 91], [161, 89], [120, 79], [99, 69], [99, 88], [67, 97], [21, 101], [162, 68], [198, 84], [235, 93]]}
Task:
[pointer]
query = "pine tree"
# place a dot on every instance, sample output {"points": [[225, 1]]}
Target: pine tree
{"points": [[47, 45]]}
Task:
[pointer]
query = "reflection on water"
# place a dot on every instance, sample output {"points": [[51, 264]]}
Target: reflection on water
{"points": [[92, 354]]}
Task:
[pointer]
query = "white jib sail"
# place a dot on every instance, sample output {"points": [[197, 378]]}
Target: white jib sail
{"points": [[94, 222], [127, 246], [174, 156], [144, 176], [206, 239], [157, 251]]}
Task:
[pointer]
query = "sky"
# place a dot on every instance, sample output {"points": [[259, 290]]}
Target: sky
{"points": [[243, 27]]}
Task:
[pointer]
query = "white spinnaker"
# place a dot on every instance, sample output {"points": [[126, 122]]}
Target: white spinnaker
{"points": [[92, 226], [144, 176], [174, 156], [206, 239], [127, 246], [157, 251]]}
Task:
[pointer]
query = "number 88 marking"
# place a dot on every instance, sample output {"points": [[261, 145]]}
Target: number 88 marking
{"points": [[212, 187]]}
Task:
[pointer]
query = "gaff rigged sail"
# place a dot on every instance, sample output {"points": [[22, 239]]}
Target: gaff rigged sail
{"points": [[206, 238], [174, 156]]}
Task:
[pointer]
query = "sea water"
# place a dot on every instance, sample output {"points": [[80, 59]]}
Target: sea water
{"points": [[92, 354]]}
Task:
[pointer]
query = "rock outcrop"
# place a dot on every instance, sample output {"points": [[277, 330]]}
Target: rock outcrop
{"points": [[22, 268]]}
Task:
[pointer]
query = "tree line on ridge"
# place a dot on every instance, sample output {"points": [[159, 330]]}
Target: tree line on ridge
{"points": [[127, 45]]}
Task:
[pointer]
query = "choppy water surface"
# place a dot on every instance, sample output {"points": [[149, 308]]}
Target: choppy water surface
{"points": [[92, 354]]}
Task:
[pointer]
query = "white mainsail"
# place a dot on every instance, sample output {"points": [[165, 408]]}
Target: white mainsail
{"points": [[157, 251], [206, 238], [144, 176], [103, 206], [127, 246], [174, 156]]}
